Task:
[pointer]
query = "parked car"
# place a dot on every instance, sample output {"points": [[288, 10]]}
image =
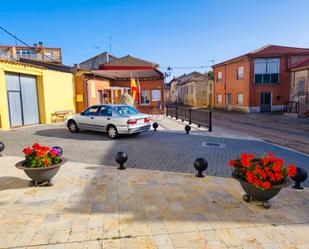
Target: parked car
{"points": [[112, 119]]}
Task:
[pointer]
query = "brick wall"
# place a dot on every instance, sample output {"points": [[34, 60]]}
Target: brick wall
{"points": [[280, 92], [146, 85], [231, 85], [251, 92]]}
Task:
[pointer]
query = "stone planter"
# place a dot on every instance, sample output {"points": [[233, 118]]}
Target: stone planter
{"points": [[42, 175], [260, 197]]}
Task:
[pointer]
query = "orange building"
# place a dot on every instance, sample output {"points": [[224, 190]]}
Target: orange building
{"points": [[107, 83], [258, 81]]}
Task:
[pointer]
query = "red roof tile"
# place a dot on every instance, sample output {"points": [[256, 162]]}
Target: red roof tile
{"points": [[269, 51], [301, 63]]}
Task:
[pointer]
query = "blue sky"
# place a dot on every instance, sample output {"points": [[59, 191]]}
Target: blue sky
{"points": [[171, 32]]}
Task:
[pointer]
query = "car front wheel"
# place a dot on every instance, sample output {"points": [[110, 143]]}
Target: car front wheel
{"points": [[112, 131], [73, 126]]}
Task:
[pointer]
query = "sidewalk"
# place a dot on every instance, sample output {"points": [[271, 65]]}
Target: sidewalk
{"points": [[171, 124], [92, 206]]}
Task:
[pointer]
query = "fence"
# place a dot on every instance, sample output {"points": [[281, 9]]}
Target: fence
{"points": [[196, 116]]}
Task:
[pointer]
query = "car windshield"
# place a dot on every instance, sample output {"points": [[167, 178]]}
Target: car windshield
{"points": [[126, 110]]}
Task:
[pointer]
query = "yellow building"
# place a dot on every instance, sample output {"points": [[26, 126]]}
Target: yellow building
{"points": [[32, 93]]}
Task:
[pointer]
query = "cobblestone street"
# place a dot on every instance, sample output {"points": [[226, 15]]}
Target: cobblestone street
{"points": [[162, 150]]}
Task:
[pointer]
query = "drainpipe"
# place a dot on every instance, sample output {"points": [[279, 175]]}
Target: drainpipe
{"points": [[225, 85]]}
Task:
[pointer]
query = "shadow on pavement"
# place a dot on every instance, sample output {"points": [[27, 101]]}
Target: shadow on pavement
{"points": [[8, 182]]}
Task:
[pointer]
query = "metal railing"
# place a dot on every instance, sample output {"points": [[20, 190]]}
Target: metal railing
{"points": [[196, 116], [38, 57], [300, 103]]}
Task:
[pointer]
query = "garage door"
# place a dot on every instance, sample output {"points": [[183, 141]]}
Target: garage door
{"points": [[22, 99]]}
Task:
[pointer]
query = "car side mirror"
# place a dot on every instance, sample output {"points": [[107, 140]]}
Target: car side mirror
{"points": [[82, 113]]}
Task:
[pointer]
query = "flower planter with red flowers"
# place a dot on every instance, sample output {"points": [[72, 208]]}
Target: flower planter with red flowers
{"points": [[261, 178], [41, 163]]}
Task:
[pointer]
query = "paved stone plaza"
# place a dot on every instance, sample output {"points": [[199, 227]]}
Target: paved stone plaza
{"points": [[167, 149], [94, 206]]}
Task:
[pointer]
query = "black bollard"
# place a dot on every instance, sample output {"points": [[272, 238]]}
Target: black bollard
{"points": [[200, 165], [187, 129], [155, 125], [2, 147], [121, 158], [58, 149], [301, 176]]}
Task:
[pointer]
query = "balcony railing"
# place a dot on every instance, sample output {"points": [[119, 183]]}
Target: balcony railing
{"points": [[37, 57]]}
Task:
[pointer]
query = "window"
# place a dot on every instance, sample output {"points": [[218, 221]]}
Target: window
{"points": [[240, 73], [219, 98], [302, 87], [210, 87], [219, 77], [125, 110], [240, 99], [145, 97], [105, 111], [156, 95], [192, 89], [50, 54], [91, 111], [266, 71]]}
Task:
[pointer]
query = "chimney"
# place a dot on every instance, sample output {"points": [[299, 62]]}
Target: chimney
{"points": [[40, 44]]}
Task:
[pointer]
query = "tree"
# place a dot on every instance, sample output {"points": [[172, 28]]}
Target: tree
{"points": [[210, 74]]}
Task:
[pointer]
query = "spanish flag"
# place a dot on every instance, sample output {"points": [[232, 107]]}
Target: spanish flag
{"points": [[134, 89]]}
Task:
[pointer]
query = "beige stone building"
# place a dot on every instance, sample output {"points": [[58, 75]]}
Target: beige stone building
{"points": [[299, 93], [194, 89]]}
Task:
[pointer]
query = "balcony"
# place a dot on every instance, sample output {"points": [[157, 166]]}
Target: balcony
{"points": [[36, 57]]}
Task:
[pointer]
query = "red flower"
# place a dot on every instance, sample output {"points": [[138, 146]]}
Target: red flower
{"points": [[39, 153], [45, 161], [245, 163], [44, 148], [36, 146], [262, 172], [292, 170], [27, 151], [53, 153], [278, 176], [266, 185], [266, 161], [270, 154], [276, 168]]}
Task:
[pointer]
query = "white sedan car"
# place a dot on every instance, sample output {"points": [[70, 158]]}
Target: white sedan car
{"points": [[112, 119]]}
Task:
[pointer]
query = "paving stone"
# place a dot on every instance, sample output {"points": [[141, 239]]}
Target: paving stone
{"points": [[144, 209]]}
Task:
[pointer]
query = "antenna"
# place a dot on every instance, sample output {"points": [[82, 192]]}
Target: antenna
{"points": [[110, 44]]}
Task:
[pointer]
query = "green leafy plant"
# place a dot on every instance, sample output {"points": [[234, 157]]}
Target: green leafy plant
{"points": [[39, 156]]}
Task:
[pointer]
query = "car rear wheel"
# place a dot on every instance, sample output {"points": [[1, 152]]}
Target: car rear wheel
{"points": [[112, 131], [73, 126]]}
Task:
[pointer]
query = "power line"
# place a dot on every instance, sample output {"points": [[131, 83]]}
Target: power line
{"points": [[193, 67], [27, 45]]}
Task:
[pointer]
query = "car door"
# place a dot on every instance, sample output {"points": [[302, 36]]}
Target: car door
{"points": [[86, 120], [104, 117]]}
